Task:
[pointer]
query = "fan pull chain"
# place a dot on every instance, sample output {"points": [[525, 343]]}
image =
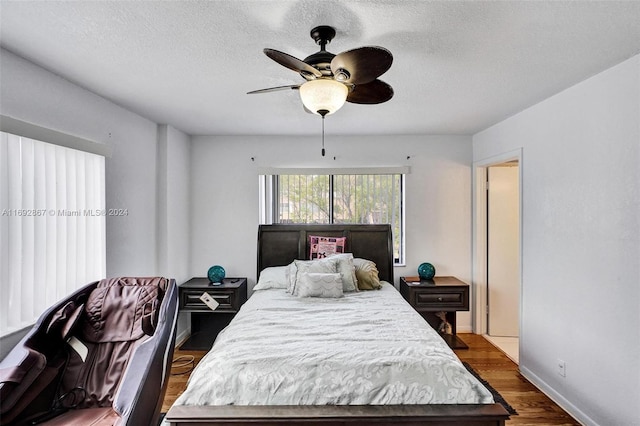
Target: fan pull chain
{"points": [[323, 135], [323, 112]]}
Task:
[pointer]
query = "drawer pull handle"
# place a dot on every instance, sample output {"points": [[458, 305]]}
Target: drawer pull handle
{"points": [[439, 299]]}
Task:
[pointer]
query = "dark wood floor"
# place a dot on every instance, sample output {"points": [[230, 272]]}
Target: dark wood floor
{"points": [[533, 407]]}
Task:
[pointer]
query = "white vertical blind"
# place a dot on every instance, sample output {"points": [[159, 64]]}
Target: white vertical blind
{"points": [[52, 226]]}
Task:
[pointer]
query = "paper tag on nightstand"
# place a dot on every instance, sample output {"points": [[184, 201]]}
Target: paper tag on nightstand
{"points": [[209, 301]]}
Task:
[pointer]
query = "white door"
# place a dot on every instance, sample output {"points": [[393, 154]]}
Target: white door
{"points": [[503, 251]]}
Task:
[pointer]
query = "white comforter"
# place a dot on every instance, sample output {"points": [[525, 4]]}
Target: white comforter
{"points": [[368, 347]]}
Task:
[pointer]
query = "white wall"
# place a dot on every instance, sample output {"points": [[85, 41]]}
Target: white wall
{"points": [[174, 175], [581, 242], [224, 189], [33, 94], [174, 197]]}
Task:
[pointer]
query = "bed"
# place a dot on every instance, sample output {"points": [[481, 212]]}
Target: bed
{"points": [[350, 360]]}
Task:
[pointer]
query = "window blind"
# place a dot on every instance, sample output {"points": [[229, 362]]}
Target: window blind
{"points": [[342, 198], [52, 226]]}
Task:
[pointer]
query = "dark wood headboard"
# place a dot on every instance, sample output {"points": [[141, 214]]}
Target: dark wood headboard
{"points": [[281, 244]]}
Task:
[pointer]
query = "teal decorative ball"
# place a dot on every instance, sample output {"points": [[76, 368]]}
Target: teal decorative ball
{"points": [[426, 271], [216, 274]]}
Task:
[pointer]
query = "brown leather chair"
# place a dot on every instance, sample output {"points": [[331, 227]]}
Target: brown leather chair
{"points": [[100, 357]]}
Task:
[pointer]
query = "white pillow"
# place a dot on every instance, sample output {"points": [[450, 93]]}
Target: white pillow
{"points": [[313, 284], [324, 266], [347, 271], [290, 274], [273, 277]]}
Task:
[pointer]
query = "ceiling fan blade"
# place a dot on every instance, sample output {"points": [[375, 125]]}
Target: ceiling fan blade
{"points": [[361, 65], [293, 63], [275, 89], [374, 92]]}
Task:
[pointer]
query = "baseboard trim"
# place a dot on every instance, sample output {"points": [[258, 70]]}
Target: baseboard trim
{"points": [[567, 406], [182, 337]]}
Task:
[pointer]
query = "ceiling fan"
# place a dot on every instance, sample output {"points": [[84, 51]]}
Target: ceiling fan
{"points": [[350, 76]]}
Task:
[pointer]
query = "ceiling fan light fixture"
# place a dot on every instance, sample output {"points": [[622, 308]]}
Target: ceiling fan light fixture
{"points": [[326, 95]]}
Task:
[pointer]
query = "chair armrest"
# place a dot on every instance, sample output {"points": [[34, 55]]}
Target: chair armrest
{"points": [[18, 371]]}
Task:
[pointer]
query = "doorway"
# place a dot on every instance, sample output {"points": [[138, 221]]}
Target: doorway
{"points": [[497, 251], [503, 257]]}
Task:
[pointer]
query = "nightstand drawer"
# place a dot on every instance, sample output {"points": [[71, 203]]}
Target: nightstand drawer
{"points": [[430, 298], [226, 299], [438, 299]]}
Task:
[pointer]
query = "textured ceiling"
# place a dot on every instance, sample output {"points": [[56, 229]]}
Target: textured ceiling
{"points": [[458, 68]]}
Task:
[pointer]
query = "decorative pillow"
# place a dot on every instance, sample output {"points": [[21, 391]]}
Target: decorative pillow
{"points": [[367, 274], [290, 274], [313, 284], [347, 271], [322, 247], [273, 277], [323, 266]]}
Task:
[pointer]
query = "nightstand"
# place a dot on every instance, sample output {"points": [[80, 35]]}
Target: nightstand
{"points": [[440, 294], [205, 322]]}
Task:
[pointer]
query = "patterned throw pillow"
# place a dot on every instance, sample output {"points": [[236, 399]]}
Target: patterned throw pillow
{"points": [[290, 273], [367, 274], [324, 266], [313, 284], [322, 247], [347, 271]]}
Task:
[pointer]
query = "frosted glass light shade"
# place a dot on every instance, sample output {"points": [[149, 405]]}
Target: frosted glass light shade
{"points": [[323, 94]]}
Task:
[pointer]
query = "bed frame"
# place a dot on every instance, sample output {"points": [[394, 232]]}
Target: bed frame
{"points": [[279, 245]]}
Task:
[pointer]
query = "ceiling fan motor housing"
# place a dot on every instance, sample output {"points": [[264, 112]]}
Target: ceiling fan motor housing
{"points": [[321, 60]]}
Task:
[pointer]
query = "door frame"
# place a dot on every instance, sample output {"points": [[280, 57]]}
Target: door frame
{"points": [[479, 237]]}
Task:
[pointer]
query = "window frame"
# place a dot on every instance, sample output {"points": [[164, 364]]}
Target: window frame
{"points": [[52, 180], [269, 184]]}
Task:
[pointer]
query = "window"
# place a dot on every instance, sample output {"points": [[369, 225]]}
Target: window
{"points": [[52, 226], [336, 198]]}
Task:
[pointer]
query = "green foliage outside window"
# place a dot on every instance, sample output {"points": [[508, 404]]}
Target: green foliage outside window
{"points": [[365, 199]]}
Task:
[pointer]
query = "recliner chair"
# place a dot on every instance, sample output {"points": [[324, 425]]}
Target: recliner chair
{"points": [[100, 357]]}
